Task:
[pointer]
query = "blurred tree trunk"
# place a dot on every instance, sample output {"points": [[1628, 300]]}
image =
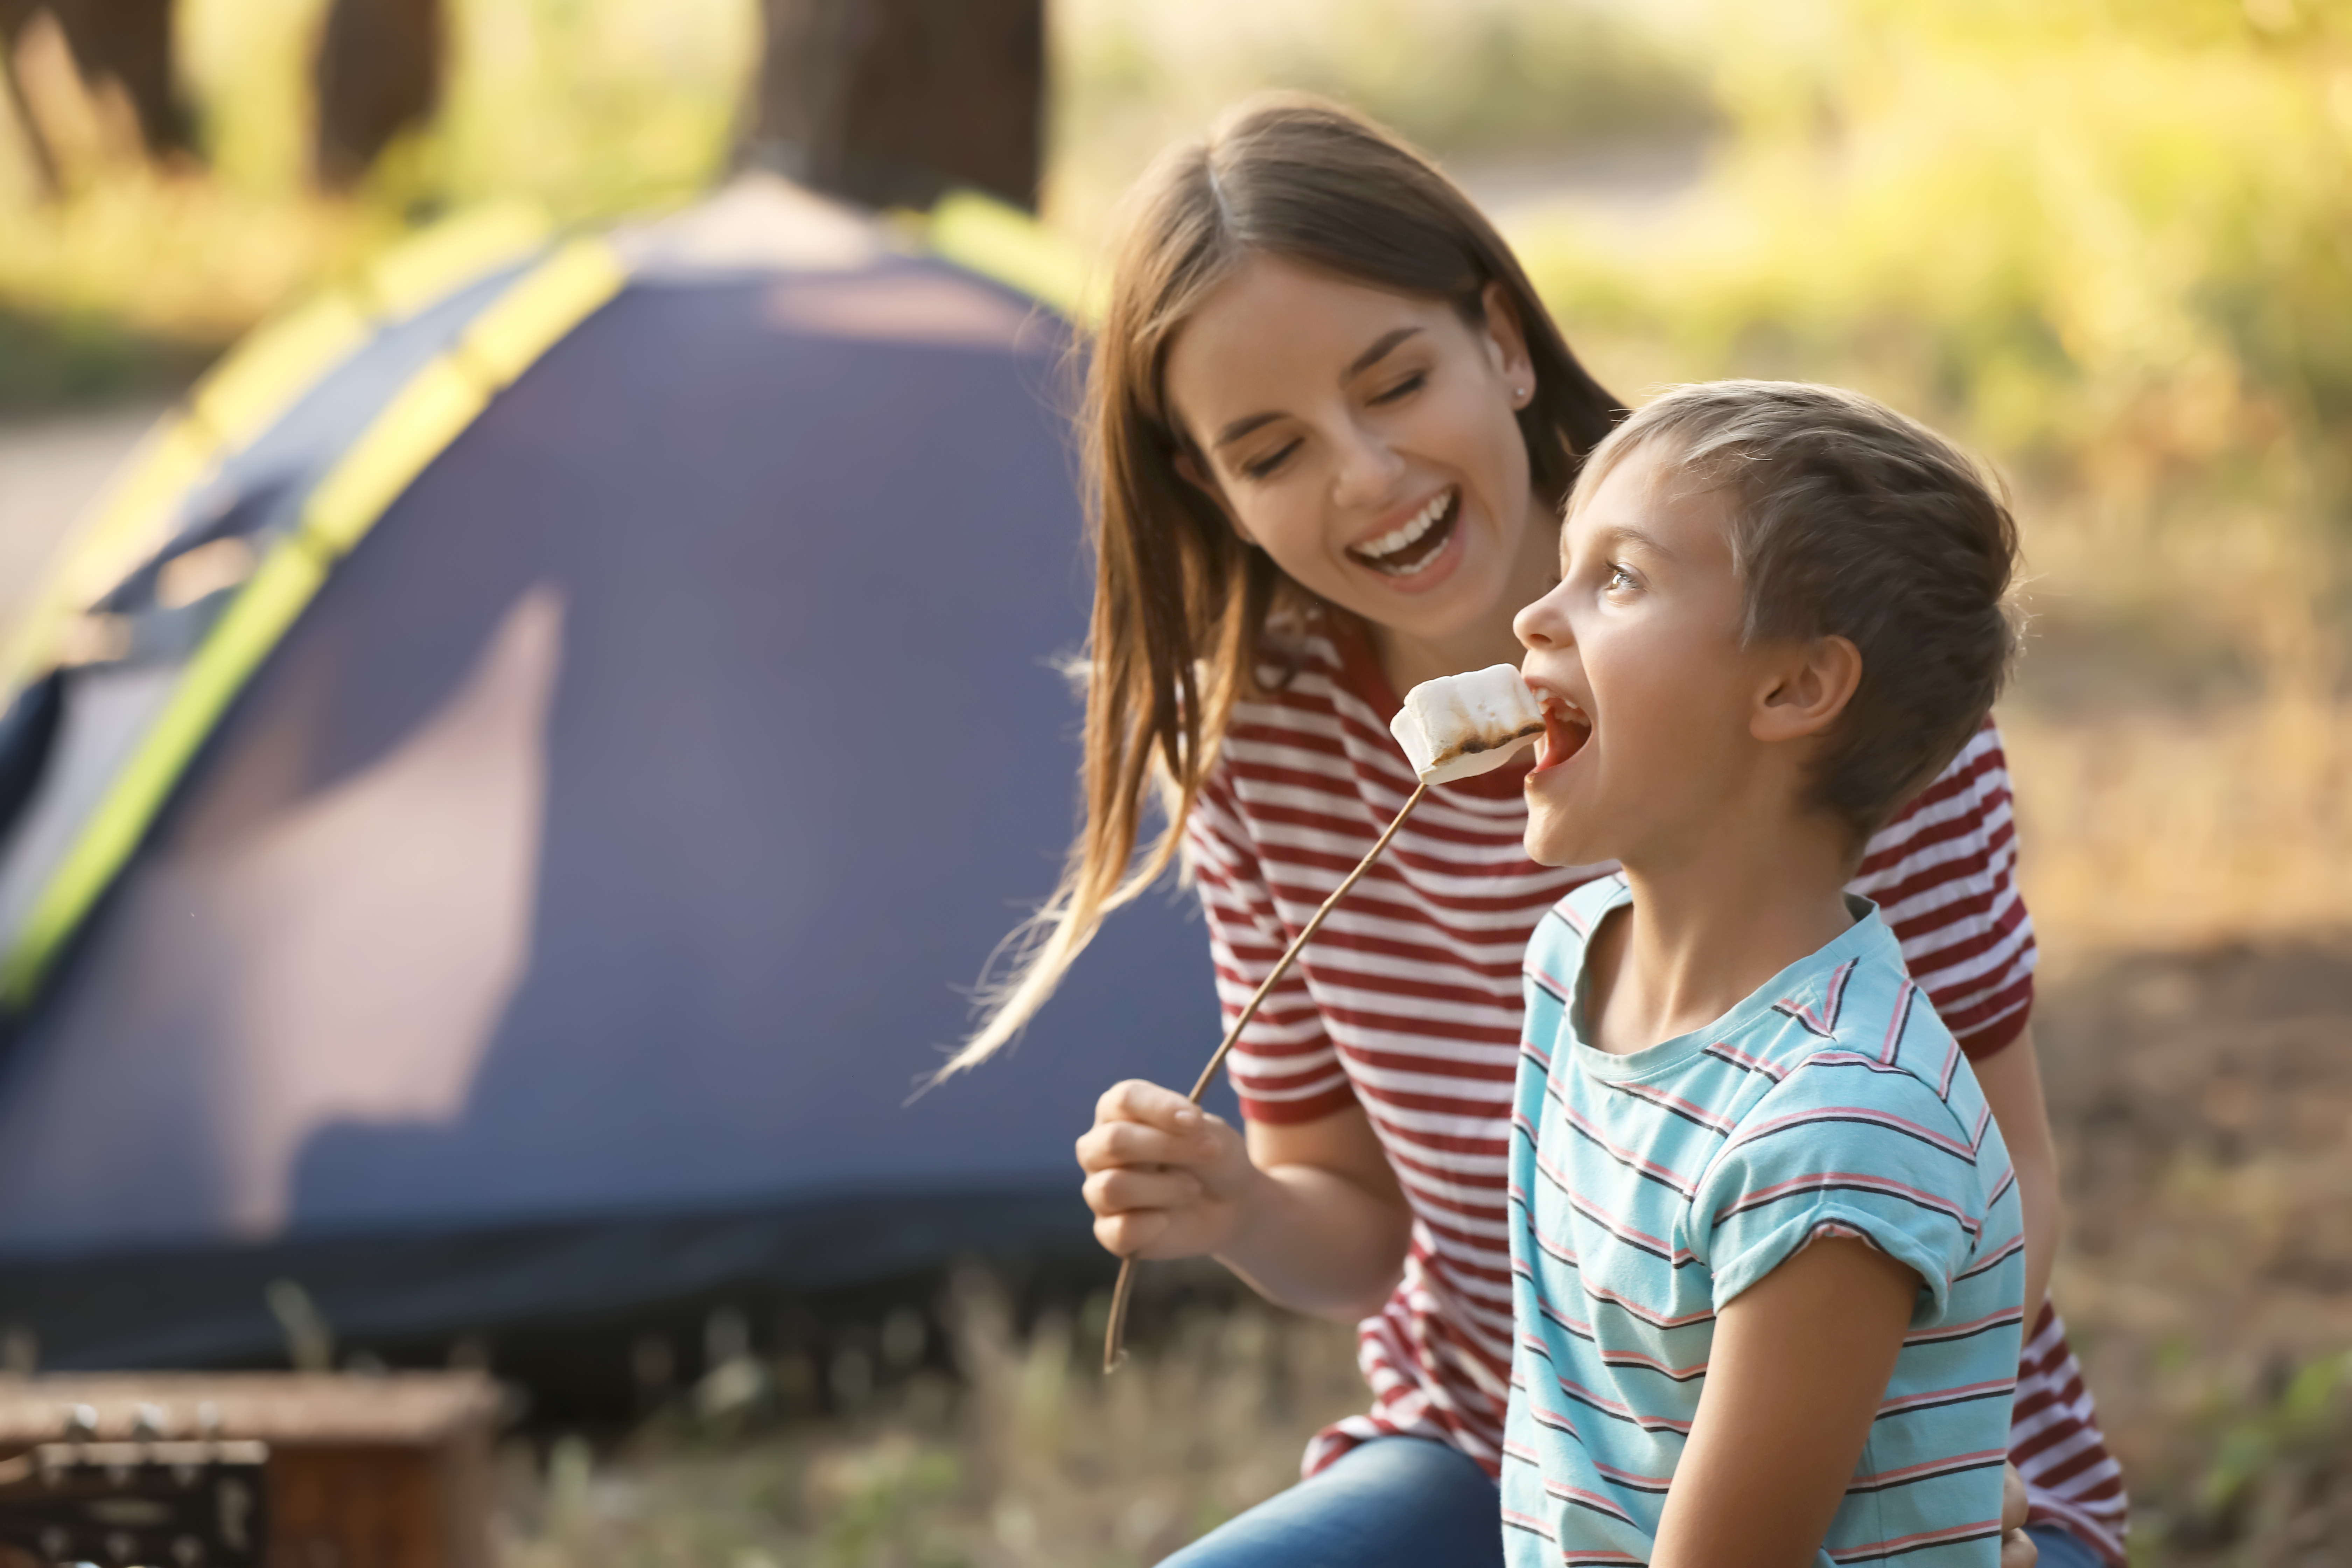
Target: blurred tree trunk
{"points": [[890, 103], [125, 42], [14, 16], [378, 72]]}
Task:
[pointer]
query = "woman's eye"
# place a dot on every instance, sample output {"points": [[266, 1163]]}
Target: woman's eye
{"points": [[1404, 388], [1259, 468]]}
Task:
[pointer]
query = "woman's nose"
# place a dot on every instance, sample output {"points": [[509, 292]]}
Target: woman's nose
{"points": [[1368, 468]]}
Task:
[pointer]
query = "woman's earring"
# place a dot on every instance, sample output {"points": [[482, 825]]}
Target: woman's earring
{"points": [[1519, 397]]}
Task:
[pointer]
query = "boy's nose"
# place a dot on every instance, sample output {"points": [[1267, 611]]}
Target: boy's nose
{"points": [[1542, 624]]}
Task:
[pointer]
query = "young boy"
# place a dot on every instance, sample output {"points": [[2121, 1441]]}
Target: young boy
{"points": [[1766, 1241]]}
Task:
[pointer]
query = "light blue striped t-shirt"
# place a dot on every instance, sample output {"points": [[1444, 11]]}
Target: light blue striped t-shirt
{"points": [[1648, 1190]]}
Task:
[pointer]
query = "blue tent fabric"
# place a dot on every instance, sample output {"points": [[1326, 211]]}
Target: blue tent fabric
{"points": [[598, 861]]}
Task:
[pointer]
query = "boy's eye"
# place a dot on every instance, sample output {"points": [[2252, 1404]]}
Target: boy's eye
{"points": [[1619, 577], [1259, 468], [1404, 388]]}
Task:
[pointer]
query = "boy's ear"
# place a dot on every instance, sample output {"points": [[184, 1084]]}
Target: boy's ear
{"points": [[1810, 688], [1189, 465]]}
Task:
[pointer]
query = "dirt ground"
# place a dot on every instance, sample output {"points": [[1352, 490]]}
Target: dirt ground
{"points": [[2203, 1103]]}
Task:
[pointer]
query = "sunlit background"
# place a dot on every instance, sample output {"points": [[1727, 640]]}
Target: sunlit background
{"points": [[2107, 245]]}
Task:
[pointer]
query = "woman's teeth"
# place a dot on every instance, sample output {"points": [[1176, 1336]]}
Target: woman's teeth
{"points": [[1396, 552]]}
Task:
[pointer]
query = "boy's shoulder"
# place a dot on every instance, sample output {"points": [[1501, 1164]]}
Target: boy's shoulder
{"points": [[1853, 1006], [1848, 1041], [1857, 1111]]}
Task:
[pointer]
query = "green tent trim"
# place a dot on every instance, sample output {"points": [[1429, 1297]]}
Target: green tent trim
{"points": [[247, 393], [533, 314], [265, 378]]}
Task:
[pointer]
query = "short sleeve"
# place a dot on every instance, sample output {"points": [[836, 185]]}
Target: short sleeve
{"points": [[1944, 876], [1284, 1067], [1844, 1146]]}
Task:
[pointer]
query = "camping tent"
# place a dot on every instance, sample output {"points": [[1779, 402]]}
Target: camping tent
{"points": [[498, 810]]}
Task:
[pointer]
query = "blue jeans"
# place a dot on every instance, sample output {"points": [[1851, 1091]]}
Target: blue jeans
{"points": [[1409, 1502], [1397, 1502], [2061, 1548]]}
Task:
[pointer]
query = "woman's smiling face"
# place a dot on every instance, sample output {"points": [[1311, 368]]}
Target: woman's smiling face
{"points": [[1366, 441]]}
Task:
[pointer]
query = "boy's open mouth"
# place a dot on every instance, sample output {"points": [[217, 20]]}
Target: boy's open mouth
{"points": [[1413, 544], [1566, 729]]}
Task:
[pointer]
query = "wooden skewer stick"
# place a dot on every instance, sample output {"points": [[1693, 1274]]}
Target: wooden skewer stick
{"points": [[1116, 1332]]}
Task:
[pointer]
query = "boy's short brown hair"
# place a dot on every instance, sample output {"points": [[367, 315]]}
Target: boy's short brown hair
{"points": [[1849, 520]]}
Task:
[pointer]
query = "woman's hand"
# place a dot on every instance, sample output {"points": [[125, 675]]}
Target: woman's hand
{"points": [[1309, 1213], [1165, 1178]]}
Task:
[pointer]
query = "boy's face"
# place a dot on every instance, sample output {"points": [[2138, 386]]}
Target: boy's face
{"points": [[1636, 659]]}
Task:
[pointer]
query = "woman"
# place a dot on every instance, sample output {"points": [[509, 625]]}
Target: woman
{"points": [[1330, 429]]}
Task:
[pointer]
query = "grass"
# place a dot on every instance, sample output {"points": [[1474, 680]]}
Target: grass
{"points": [[2199, 1098], [586, 109], [52, 361], [1029, 1456], [1474, 77], [2177, 830]]}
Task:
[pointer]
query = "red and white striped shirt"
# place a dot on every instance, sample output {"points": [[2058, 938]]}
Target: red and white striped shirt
{"points": [[1407, 1004]]}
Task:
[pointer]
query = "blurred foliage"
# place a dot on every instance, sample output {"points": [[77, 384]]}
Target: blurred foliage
{"points": [[1470, 78], [2257, 1444], [2267, 1478], [592, 107], [2110, 246], [65, 357], [2199, 1102], [585, 107]]}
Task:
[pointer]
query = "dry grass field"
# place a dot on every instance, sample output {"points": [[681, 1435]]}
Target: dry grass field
{"points": [[1029, 1456], [2201, 1100]]}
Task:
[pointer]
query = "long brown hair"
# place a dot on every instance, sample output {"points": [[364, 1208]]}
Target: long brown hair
{"points": [[1184, 611]]}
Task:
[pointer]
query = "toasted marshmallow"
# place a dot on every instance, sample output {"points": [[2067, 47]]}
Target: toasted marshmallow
{"points": [[1458, 726]]}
